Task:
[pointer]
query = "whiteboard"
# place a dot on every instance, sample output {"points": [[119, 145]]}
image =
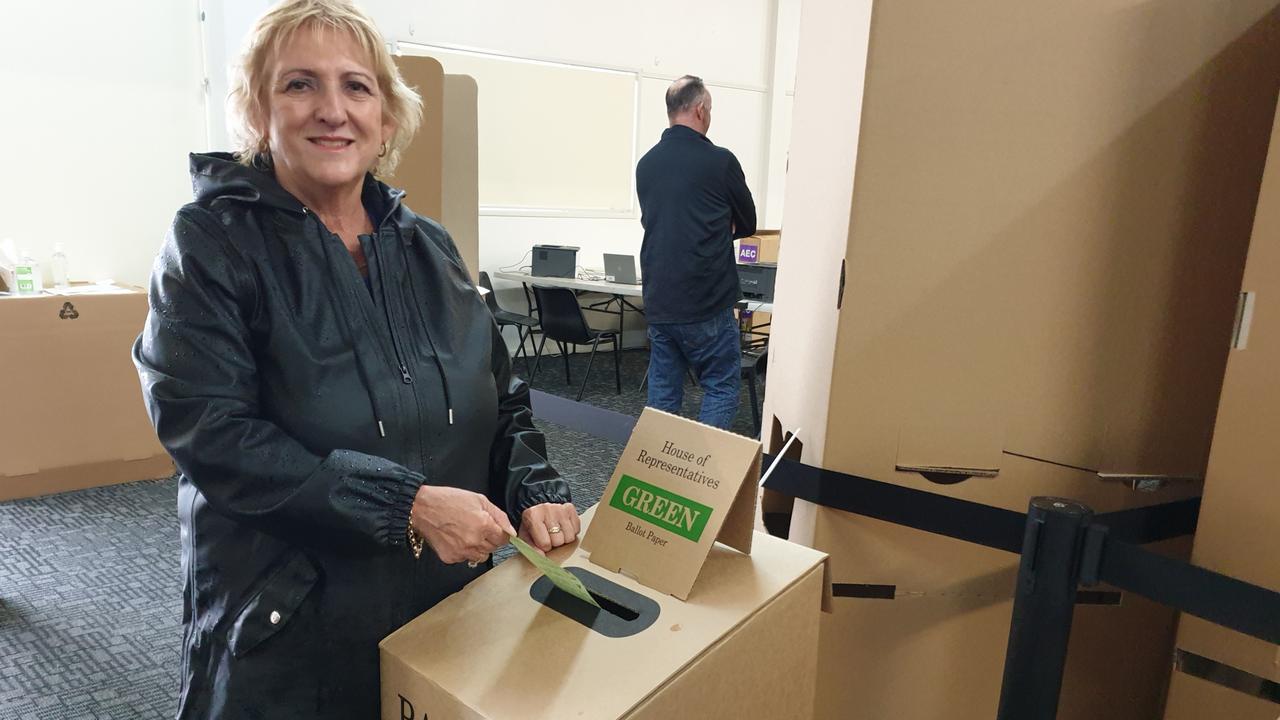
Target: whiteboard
{"points": [[553, 138]]}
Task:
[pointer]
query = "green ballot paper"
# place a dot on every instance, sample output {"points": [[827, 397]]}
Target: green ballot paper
{"points": [[562, 578]]}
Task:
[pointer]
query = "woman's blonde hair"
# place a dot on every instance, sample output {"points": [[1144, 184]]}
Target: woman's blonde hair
{"points": [[247, 108]]}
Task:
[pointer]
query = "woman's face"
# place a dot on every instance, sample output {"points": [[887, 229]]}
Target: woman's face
{"points": [[325, 125]]}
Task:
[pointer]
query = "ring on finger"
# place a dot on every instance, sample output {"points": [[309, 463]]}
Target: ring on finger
{"points": [[554, 529]]}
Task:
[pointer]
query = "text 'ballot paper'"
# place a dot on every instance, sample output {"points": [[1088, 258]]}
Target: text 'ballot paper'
{"points": [[560, 577]]}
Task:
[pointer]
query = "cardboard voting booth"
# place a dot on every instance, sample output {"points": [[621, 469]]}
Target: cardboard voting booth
{"points": [[1234, 675], [689, 627], [1000, 287]]}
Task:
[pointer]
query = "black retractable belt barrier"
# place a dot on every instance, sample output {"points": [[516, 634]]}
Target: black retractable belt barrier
{"points": [[1042, 608], [961, 519], [1034, 664], [1152, 523], [1220, 599]]}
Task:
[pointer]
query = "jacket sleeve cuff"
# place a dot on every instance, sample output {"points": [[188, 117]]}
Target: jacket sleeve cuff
{"points": [[400, 494], [539, 497]]}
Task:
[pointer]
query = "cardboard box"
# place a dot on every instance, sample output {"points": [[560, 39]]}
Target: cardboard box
{"points": [[1191, 698], [1236, 535], [743, 644], [762, 247], [74, 415], [491, 651], [1003, 209]]}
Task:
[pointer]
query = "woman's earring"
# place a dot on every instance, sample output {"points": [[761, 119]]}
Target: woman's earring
{"points": [[384, 150]]}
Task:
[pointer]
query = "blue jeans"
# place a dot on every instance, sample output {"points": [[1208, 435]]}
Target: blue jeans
{"points": [[711, 349]]}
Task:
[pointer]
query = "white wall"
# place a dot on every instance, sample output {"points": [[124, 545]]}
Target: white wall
{"points": [[113, 98], [782, 91], [103, 101], [729, 43]]}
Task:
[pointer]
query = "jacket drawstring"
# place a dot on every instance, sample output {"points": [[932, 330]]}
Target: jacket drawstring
{"points": [[413, 290], [350, 339]]}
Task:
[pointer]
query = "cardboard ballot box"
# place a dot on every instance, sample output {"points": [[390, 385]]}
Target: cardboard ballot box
{"points": [[73, 412], [741, 644]]}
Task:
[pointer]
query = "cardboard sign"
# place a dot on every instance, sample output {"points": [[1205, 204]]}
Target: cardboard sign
{"points": [[678, 488]]}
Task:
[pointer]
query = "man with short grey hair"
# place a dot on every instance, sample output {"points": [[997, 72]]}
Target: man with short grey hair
{"points": [[694, 202]]}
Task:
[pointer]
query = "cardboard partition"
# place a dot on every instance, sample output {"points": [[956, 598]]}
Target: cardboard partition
{"points": [[920, 622], [1237, 534], [743, 645], [1001, 211], [1191, 698], [420, 173], [440, 171], [74, 414], [924, 655], [1256, 657], [460, 191], [1028, 275]]}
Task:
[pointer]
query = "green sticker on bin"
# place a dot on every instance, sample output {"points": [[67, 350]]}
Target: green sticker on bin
{"points": [[560, 577], [680, 515]]}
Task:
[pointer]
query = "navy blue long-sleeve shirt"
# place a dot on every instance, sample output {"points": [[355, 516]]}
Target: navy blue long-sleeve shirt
{"points": [[694, 202]]}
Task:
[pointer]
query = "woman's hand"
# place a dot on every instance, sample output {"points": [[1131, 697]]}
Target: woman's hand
{"points": [[550, 525], [459, 525]]}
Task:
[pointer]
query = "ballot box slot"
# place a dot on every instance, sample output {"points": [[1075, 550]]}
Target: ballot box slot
{"points": [[622, 612]]}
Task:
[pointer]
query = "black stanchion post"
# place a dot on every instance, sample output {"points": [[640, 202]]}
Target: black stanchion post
{"points": [[1042, 608]]}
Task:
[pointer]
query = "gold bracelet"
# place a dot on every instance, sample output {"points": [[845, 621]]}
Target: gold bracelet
{"points": [[416, 541]]}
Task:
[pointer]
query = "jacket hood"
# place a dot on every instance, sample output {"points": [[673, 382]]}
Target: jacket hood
{"points": [[217, 175]]}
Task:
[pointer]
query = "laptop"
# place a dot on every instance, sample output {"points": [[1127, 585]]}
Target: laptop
{"points": [[622, 268]]}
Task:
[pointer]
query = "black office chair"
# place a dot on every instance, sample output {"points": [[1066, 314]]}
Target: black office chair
{"points": [[754, 365], [525, 325], [562, 320]]}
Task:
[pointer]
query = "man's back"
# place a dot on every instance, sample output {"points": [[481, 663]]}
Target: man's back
{"points": [[694, 201]]}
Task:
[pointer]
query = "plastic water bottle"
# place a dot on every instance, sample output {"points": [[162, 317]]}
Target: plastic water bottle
{"points": [[59, 267]]}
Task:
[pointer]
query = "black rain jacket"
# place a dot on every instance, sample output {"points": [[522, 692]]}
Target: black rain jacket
{"points": [[304, 412], [694, 201]]}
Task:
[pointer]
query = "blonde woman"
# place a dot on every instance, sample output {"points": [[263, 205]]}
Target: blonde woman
{"points": [[351, 442]]}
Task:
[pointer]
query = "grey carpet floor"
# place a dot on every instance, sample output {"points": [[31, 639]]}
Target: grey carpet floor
{"points": [[90, 606]]}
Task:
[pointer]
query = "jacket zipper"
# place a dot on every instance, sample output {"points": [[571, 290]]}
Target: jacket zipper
{"points": [[405, 377], [394, 328]]}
